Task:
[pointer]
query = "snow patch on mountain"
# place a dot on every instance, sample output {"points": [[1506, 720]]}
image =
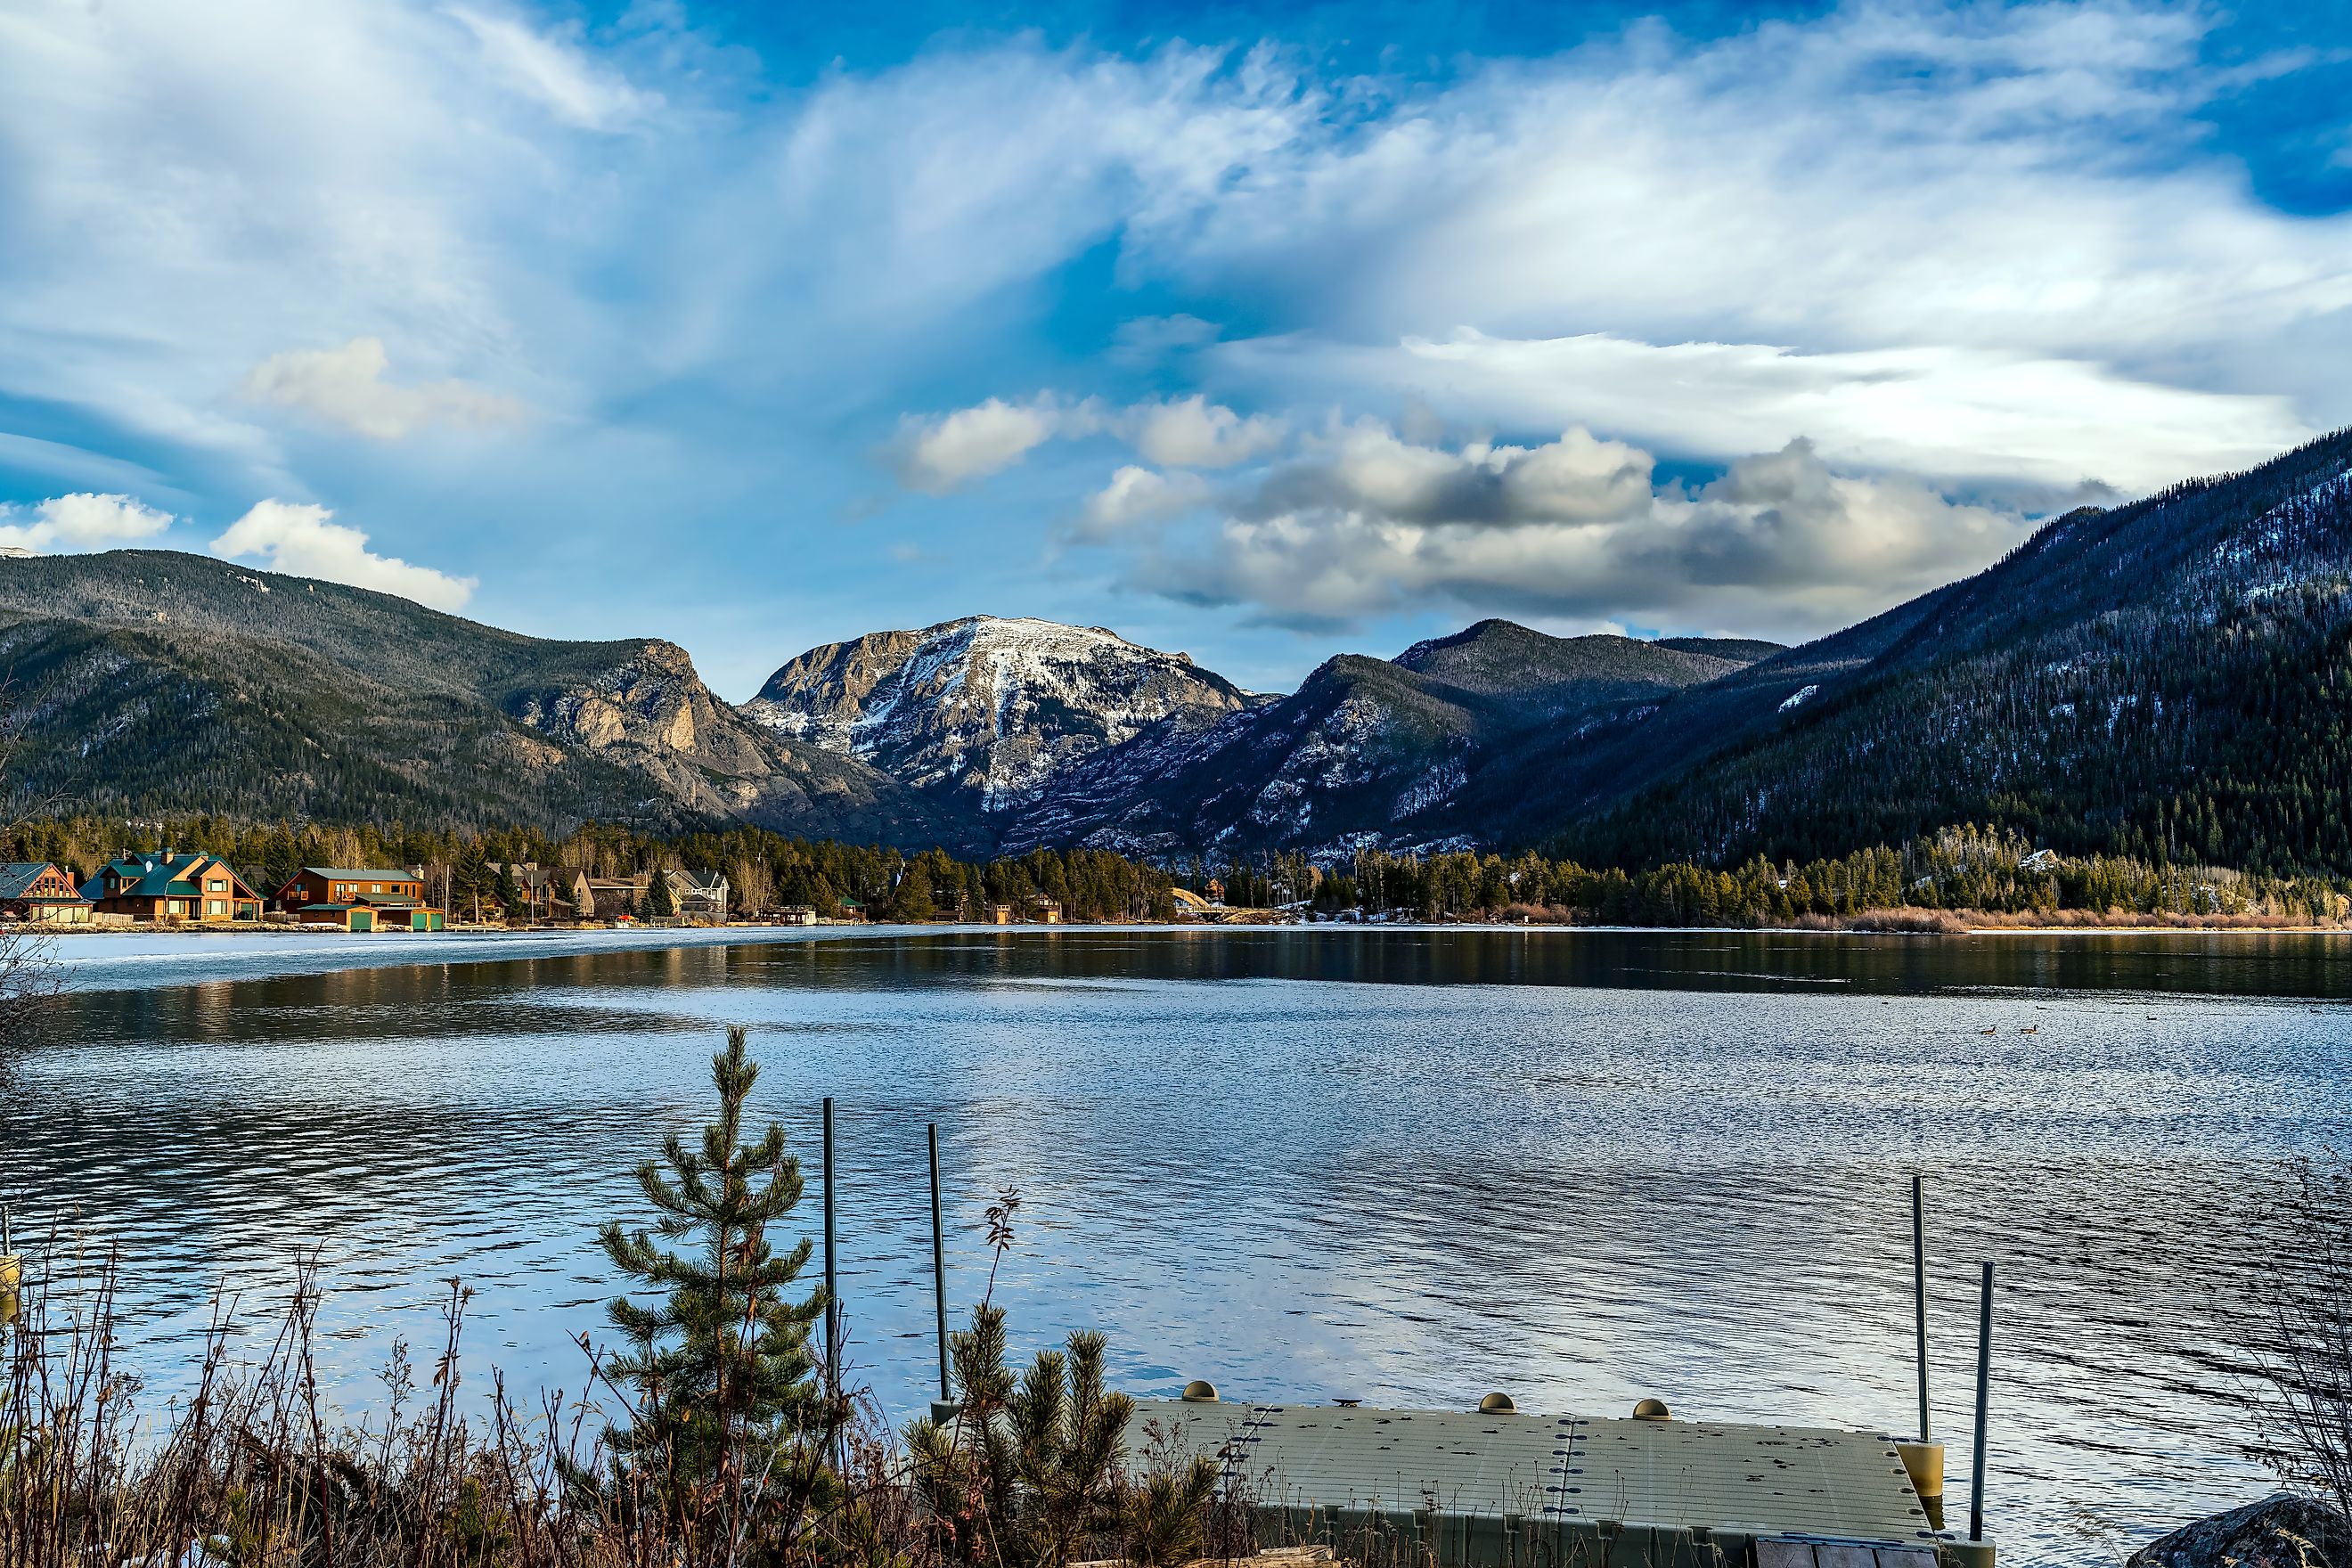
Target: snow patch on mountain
{"points": [[997, 705]]}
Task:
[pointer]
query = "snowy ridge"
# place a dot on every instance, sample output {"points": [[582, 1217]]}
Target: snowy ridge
{"points": [[992, 704]]}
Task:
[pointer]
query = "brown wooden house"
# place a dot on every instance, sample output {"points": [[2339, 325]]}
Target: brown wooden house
{"points": [[41, 892], [358, 899]]}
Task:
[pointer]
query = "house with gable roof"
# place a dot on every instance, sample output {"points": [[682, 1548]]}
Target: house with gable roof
{"points": [[358, 899], [43, 891], [164, 885]]}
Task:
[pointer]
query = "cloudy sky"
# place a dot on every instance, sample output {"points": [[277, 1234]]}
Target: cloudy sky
{"points": [[1255, 332]]}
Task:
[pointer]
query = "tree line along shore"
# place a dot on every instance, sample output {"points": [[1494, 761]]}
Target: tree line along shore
{"points": [[1963, 877]]}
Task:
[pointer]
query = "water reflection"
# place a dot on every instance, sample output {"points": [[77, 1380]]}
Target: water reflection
{"points": [[1581, 1167]]}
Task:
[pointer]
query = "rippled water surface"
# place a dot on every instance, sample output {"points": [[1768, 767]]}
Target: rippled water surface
{"points": [[1405, 1167]]}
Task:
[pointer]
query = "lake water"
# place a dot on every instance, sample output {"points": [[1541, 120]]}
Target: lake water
{"points": [[1408, 1166]]}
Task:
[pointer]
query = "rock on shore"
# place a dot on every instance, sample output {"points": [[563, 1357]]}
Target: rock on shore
{"points": [[2280, 1531]]}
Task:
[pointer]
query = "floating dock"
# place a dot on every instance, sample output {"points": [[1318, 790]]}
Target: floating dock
{"points": [[1505, 1489]]}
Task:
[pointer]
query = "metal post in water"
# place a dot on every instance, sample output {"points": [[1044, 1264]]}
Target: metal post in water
{"points": [[939, 1264], [1919, 1287], [1984, 1394], [832, 1299]]}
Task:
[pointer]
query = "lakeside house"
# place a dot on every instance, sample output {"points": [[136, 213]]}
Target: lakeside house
{"points": [[698, 898], [358, 899], [1045, 912], [796, 915], [167, 887], [611, 897], [41, 892], [551, 892]]}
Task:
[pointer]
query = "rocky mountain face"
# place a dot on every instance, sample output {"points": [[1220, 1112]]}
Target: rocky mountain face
{"points": [[1366, 752], [152, 682], [987, 713]]}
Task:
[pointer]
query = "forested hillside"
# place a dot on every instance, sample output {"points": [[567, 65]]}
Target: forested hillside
{"points": [[150, 682], [1367, 750], [2170, 679]]}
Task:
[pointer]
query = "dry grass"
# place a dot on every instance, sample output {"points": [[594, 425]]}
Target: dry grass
{"points": [[2134, 919], [251, 1468]]}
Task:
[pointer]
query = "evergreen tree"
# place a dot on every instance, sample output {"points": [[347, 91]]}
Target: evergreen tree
{"points": [[912, 903], [725, 1403], [506, 892], [471, 876], [658, 904]]}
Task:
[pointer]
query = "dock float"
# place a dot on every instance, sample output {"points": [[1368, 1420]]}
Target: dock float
{"points": [[1498, 1487]]}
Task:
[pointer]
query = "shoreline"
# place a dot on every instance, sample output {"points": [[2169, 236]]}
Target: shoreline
{"points": [[525, 934]]}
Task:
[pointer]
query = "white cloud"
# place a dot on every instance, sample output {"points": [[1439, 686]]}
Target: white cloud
{"points": [[346, 387], [1135, 495], [1368, 524], [1194, 432], [1367, 467], [556, 73], [81, 521], [301, 542], [1958, 413], [948, 452], [1885, 175]]}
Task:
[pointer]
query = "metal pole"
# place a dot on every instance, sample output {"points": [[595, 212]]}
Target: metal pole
{"points": [[1984, 1394], [831, 1299], [1919, 1287], [939, 1264]]}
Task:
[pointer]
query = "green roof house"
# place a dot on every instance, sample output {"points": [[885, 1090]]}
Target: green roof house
{"points": [[163, 886]]}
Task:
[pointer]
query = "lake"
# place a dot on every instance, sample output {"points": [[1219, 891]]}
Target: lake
{"points": [[1401, 1165]]}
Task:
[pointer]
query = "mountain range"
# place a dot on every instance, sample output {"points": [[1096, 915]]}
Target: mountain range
{"points": [[2171, 678]]}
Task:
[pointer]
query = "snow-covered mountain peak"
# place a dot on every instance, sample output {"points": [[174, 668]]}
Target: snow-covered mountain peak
{"points": [[991, 703]]}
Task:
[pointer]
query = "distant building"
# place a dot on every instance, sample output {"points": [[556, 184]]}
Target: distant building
{"points": [[358, 899], [613, 898], [700, 898], [168, 886], [999, 914], [1045, 912], [550, 892], [797, 915], [41, 892]]}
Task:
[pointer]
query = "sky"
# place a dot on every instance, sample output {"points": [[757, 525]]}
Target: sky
{"points": [[1259, 333]]}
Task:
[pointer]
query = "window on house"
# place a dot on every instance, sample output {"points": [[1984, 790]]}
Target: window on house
{"points": [[217, 907], [216, 887]]}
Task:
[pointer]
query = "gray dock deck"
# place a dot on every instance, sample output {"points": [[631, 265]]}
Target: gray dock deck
{"points": [[1500, 1489]]}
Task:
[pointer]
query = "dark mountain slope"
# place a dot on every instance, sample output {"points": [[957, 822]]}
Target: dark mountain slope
{"points": [[1543, 676], [154, 681], [1738, 650], [1366, 751], [2171, 678]]}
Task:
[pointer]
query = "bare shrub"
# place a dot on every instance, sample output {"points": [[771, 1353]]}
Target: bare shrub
{"points": [[2301, 1345]]}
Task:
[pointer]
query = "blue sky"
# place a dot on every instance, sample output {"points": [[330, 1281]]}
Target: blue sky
{"points": [[1258, 332]]}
